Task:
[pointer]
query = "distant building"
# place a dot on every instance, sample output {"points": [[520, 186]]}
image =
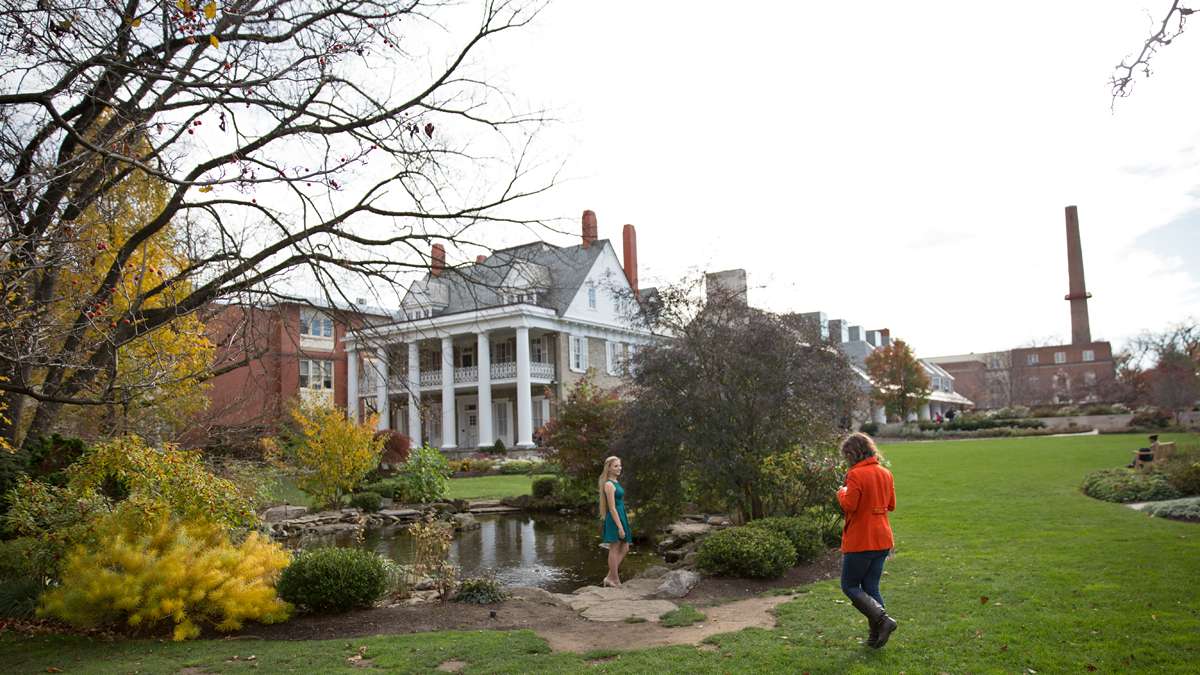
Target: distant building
{"points": [[1080, 372]]}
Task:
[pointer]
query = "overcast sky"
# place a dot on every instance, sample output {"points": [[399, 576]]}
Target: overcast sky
{"points": [[900, 165]]}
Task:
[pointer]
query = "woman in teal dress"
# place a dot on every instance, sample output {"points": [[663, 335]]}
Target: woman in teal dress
{"points": [[616, 534]]}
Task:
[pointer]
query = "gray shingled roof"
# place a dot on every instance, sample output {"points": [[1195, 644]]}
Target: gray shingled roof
{"points": [[478, 285]]}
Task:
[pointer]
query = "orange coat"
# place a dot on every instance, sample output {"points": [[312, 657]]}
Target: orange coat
{"points": [[866, 499]]}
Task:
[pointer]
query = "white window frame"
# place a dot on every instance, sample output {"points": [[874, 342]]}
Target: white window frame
{"points": [[314, 324], [578, 356], [591, 296], [1089, 355], [1089, 378], [1031, 359], [539, 351], [610, 356], [1060, 357], [502, 352], [323, 374]]}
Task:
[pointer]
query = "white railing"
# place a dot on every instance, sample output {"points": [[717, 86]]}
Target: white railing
{"points": [[504, 371], [541, 371], [466, 375], [431, 378]]}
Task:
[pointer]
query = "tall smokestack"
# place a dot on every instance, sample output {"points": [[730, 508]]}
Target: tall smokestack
{"points": [[629, 236], [589, 228], [1081, 330]]}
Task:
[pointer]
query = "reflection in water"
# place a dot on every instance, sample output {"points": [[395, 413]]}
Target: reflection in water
{"points": [[557, 553]]}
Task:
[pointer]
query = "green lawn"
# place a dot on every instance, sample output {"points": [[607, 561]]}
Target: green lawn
{"points": [[488, 487], [1001, 566]]}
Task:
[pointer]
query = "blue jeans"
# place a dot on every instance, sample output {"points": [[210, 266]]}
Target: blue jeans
{"points": [[861, 572]]}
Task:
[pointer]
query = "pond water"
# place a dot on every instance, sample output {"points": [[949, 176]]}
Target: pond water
{"points": [[557, 553]]}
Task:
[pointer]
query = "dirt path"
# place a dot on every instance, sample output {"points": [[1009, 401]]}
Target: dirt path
{"points": [[585, 636]]}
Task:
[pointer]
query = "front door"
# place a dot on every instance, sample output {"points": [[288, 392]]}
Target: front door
{"points": [[468, 422]]}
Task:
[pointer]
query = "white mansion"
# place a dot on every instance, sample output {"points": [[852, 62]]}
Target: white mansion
{"points": [[485, 350]]}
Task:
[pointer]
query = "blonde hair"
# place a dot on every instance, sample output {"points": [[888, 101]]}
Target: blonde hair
{"points": [[857, 447], [604, 479]]}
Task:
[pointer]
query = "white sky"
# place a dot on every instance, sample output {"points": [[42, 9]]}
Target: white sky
{"points": [[900, 165]]}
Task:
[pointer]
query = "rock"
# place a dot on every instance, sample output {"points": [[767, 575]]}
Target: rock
{"points": [[696, 518], [673, 556], [334, 528], [689, 531], [719, 521], [642, 588], [677, 584], [285, 512], [425, 584], [401, 514], [668, 544], [465, 521], [653, 572], [619, 610], [538, 595], [689, 560]]}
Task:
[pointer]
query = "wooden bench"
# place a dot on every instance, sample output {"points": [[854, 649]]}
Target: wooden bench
{"points": [[1161, 452]]}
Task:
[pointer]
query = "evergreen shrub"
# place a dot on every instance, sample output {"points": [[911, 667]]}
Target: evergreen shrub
{"points": [[754, 552], [335, 579]]}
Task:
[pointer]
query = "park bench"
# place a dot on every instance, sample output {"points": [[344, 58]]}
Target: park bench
{"points": [[1159, 452]]}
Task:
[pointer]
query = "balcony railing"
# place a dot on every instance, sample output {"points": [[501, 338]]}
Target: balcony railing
{"points": [[501, 372]]}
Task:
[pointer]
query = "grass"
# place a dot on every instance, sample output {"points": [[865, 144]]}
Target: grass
{"points": [[1001, 565], [685, 615], [489, 487]]}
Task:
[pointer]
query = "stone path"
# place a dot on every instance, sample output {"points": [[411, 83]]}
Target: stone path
{"points": [[643, 598]]}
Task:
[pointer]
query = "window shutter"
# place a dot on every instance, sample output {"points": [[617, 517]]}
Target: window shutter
{"points": [[608, 356], [583, 353]]}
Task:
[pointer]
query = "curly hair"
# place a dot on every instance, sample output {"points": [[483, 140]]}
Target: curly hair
{"points": [[857, 447]]}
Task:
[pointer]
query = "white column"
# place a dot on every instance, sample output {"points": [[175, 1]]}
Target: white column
{"points": [[880, 415], [449, 428], [414, 392], [484, 360], [524, 393], [923, 413], [381, 388], [352, 383]]}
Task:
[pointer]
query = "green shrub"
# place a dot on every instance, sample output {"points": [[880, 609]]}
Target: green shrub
{"points": [[383, 488], [1184, 478], [1128, 485], [1179, 509], [1150, 418], [334, 579], [755, 552], [423, 477], [19, 597], [498, 447], [479, 465], [543, 486], [870, 428], [480, 591], [546, 468], [367, 501], [20, 579], [516, 467], [803, 533]]}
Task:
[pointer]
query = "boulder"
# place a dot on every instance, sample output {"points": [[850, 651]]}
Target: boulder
{"points": [[276, 514], [677, 584], [465, 521], [619, 610], [334, 528], [538, 595], [689, 531], [719, 521], [653, 572]]}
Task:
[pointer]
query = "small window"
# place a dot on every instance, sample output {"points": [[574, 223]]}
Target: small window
{"points": [[591, 297], [502, 352], [1031, 359], [538, 353], [1089, 378], [316, 374], [1060, 357], [579, 355], [1089, 355], [315, 324]]}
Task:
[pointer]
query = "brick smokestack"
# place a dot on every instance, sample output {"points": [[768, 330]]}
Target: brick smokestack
{"points": [[1081, 330], [439, 260], [589, 228], [629, 235]]}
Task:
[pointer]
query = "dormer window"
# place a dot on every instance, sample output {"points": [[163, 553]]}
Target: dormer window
{"points": [[591, 291]]}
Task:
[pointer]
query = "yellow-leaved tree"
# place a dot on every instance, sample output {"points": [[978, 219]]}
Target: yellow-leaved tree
{"points": [[156, 382], [334, 453]]}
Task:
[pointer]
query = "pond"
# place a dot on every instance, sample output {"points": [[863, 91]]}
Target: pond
{"points": [[557, 553]]}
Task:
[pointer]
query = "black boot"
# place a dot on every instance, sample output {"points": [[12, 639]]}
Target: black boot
{"points": [[881, 624]]}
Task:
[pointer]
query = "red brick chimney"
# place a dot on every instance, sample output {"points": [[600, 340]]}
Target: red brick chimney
{"points": [[630, 257], [480, 258], [589, 228], [439, 260]]}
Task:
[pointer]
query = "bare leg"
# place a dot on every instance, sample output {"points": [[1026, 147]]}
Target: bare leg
{"points": [[614, 563]]}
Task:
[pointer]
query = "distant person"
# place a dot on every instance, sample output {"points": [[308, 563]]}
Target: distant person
{"points": [[950, 415], [616, 534], [866, 499]]}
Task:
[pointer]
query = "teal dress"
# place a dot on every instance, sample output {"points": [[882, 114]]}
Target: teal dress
{"points": [[610, 528]]}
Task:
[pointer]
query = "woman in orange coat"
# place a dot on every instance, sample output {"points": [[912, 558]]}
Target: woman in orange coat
{"points": [[866, 499]]}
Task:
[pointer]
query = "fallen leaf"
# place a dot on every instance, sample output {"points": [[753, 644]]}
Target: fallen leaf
{"points": [[206, 188], [212, 40], [983, 599], [1090, 668], [136, 23]]}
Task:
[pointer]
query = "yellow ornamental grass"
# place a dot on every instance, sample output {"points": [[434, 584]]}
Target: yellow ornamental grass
{"points": [[187, 573]]}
